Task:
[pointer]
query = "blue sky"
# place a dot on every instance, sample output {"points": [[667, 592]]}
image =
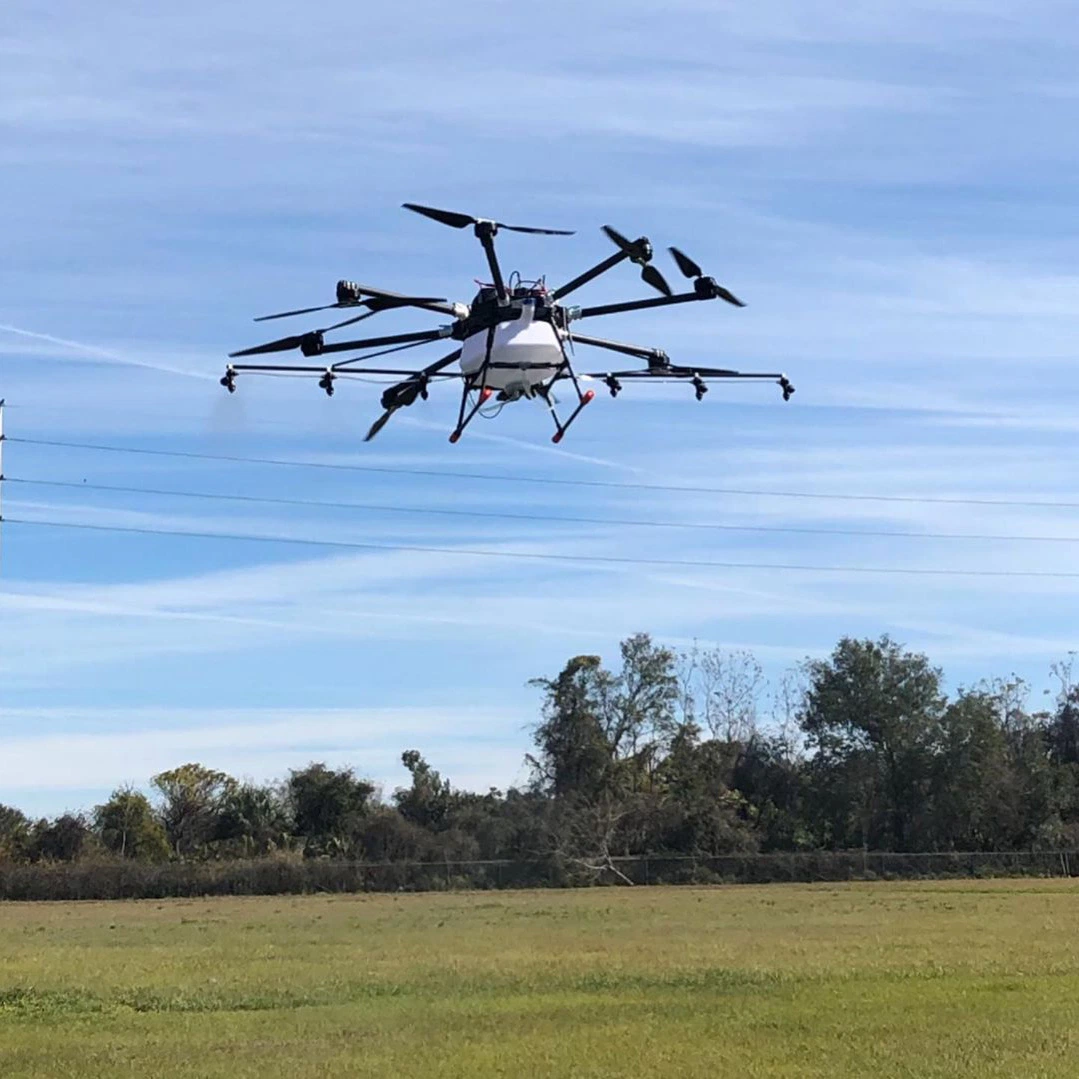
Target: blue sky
{"points": [[891, 190]]}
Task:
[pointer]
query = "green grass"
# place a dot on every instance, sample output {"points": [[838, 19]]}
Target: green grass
{"points": [[913, 979]]}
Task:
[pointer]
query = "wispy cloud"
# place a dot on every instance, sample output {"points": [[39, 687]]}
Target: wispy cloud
{"points": [[842, 170], [102, 354]]}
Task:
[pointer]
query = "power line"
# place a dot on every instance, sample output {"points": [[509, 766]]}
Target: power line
{"points": [[538, 517], [683, 563], [552, 480]]}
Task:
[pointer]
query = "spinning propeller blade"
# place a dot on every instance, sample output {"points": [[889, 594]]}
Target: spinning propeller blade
{"points": [[379, 300], [619, 240], [705, 285], [537, 232], [285, 344], [378, 424], [460, 221], [298, 311]]}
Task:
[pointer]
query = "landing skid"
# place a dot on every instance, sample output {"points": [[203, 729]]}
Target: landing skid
{"points": [[565, 370], [582, 399], [466, 414]]}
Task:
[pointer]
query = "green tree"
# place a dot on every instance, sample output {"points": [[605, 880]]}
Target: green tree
{"points": [[329, 808], [253, 820], [60, 840], [1063, 729], [14, 834], [514, 825], [973, 805], [192, 799], [772, 784], [643, 721], [427, 802], [1062, 738], [700, 812], [128, 826], [604, 732], [574, 755], [872, 713]]}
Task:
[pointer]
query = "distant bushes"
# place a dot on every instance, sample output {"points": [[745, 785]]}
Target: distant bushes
{"points": [[113, 878]]}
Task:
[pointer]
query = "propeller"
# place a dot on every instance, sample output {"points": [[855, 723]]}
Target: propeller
{"points": [[705, 286], [460, 221], [378, 424], [398, 396], [640, 252], [686, 264], [309, 343], [403, 394], [349, 294]]}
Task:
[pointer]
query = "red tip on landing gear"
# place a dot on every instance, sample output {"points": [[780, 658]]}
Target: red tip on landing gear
{"points": [[455, 436], [585, 398]]}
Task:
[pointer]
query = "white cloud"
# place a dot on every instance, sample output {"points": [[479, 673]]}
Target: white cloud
{"points": [[81, 749]]}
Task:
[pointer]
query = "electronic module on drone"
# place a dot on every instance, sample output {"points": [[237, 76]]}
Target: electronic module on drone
{"points": [[514, 341]]}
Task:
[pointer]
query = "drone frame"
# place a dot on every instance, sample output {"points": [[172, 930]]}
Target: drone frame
{"points": [[485, 317]]}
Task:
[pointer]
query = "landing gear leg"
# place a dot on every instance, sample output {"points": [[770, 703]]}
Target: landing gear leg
{"points": [[582, 398], [463, 419]]}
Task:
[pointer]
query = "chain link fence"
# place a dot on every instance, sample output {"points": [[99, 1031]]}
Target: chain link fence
{"points": [[117, 879]]}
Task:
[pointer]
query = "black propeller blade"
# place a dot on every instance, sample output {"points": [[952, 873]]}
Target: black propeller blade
{"points": [[378, 424], [460, 221], [651, 276], [640, 252], [300, 311], [686, 264], [349, 294], [403, 394], [706, 286], [310, 342]]}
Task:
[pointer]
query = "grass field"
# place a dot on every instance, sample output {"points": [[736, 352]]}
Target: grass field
{"points": [[913, 979]]}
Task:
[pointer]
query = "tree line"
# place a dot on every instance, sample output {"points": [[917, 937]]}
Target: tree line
{"points": [[666, 752]]}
